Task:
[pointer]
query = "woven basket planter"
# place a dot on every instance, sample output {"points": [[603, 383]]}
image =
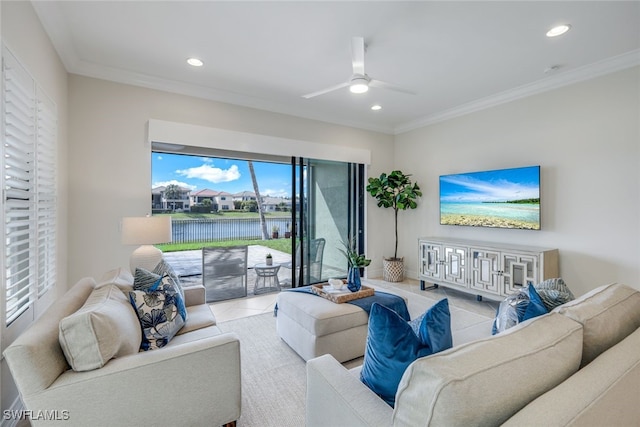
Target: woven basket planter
{"points": [[393, 270]]}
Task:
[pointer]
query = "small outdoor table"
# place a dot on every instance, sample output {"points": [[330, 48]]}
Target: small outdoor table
{"points": [[266, 278]]}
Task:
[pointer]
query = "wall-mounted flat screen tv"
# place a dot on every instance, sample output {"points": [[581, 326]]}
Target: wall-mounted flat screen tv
{"points": [[506, 198]]}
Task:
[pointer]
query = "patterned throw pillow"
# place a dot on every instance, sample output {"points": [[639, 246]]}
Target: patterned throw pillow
{"points": [[161, 312], [554, 292], [144, 279], [164, 268], [518, 307]]}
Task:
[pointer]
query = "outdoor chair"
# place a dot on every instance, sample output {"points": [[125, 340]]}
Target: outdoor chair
{"points": [[224, 272], [316, 252]]}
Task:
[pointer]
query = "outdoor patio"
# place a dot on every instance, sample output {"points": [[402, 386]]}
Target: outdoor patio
{"points": [[188, 265]]}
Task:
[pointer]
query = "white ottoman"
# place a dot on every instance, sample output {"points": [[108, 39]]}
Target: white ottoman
{"points": [[313, 326]]}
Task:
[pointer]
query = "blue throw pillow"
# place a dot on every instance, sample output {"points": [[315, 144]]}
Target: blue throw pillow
{"points": [[535, 307], [392, 345], [433, 327]]}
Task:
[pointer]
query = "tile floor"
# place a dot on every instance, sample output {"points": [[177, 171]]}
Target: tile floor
{"points": [[471, 319]]}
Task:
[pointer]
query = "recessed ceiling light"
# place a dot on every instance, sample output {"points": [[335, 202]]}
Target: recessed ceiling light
{"points": [[195, 62], [558, 30], [376, 107]]}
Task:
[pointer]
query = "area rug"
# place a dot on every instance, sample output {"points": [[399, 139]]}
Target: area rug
{"points": [[273, 376]]}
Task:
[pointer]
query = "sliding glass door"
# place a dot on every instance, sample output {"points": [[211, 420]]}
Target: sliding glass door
{"points": [[329, 211]]}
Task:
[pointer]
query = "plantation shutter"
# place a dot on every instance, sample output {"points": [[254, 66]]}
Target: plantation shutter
{"points": [[46, 191], [29, 191], [19, 186]]}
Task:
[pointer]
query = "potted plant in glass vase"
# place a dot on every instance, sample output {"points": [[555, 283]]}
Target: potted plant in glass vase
{"points": [[356, 262], [395, 191]]}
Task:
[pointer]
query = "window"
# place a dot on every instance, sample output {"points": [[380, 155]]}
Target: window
{"points": [[29, 196]]}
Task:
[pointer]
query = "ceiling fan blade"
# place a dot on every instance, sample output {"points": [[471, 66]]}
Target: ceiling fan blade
{"points": [[389, 86], [327, 90], [357, 55]]}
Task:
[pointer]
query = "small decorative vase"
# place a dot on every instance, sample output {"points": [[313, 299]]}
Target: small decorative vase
{"points": [[353, 279], [269, 261]]}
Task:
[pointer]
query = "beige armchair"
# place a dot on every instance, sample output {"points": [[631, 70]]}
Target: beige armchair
{"points": [[193, 381]]}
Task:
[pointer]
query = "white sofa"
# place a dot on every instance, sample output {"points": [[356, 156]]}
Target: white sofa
{"points": [[578, 365], [193, 381]]}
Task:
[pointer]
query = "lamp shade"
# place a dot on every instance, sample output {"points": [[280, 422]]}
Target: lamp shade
{"points": [[146, 230]]}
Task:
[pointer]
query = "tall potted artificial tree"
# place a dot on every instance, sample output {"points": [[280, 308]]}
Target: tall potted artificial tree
{"points": [[397, 192]]}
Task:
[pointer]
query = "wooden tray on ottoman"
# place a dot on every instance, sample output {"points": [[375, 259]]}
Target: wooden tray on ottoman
{"points": [[341, 296]]}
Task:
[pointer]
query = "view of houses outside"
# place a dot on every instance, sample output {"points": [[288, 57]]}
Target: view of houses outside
{"points": [[183, 183], [214, 199]]}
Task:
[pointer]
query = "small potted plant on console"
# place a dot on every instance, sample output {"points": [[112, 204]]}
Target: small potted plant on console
{"points": [[356, 262]]}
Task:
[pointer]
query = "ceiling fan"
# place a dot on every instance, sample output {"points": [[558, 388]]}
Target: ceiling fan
{"points": [[359, 81]]}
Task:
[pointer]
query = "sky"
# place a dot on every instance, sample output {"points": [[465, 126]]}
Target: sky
{"points": [[230, 175], [491, 186]]}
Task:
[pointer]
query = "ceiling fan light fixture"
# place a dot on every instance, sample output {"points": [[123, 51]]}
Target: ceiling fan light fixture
{"points": [[359, 85]]}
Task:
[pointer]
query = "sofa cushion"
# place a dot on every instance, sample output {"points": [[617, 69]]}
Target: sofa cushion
{"points": [[603, 393], [198, 317], [608, 314], [161, 312], [121, 277], [393, 344], [103, 328], [497, 376]]}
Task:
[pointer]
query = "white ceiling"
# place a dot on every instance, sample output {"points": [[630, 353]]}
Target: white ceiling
{"points": [[457, 56]]}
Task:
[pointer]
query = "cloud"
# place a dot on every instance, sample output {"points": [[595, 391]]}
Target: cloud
{"points": [[212, 174], [274, 193], [173, 181], [158, 157]]}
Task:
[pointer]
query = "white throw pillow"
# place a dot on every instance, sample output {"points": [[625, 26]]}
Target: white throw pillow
{"points": [[106, 326]]}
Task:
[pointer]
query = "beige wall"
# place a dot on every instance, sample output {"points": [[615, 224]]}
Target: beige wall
{"points": [[23, 34], [585, 137], [110, 161]]}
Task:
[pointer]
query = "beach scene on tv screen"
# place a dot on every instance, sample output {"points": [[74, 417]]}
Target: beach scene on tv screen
{"points": [[506, 198]]}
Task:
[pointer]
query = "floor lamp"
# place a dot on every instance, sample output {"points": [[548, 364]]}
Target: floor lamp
{"points": [[146, 231]]}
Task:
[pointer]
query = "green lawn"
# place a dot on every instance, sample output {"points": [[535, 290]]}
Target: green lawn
{"points": [[283, 245]]}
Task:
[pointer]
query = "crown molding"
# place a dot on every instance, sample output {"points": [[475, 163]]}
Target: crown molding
{"points": [[49, 12], [587, 72], [212, 94]]}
